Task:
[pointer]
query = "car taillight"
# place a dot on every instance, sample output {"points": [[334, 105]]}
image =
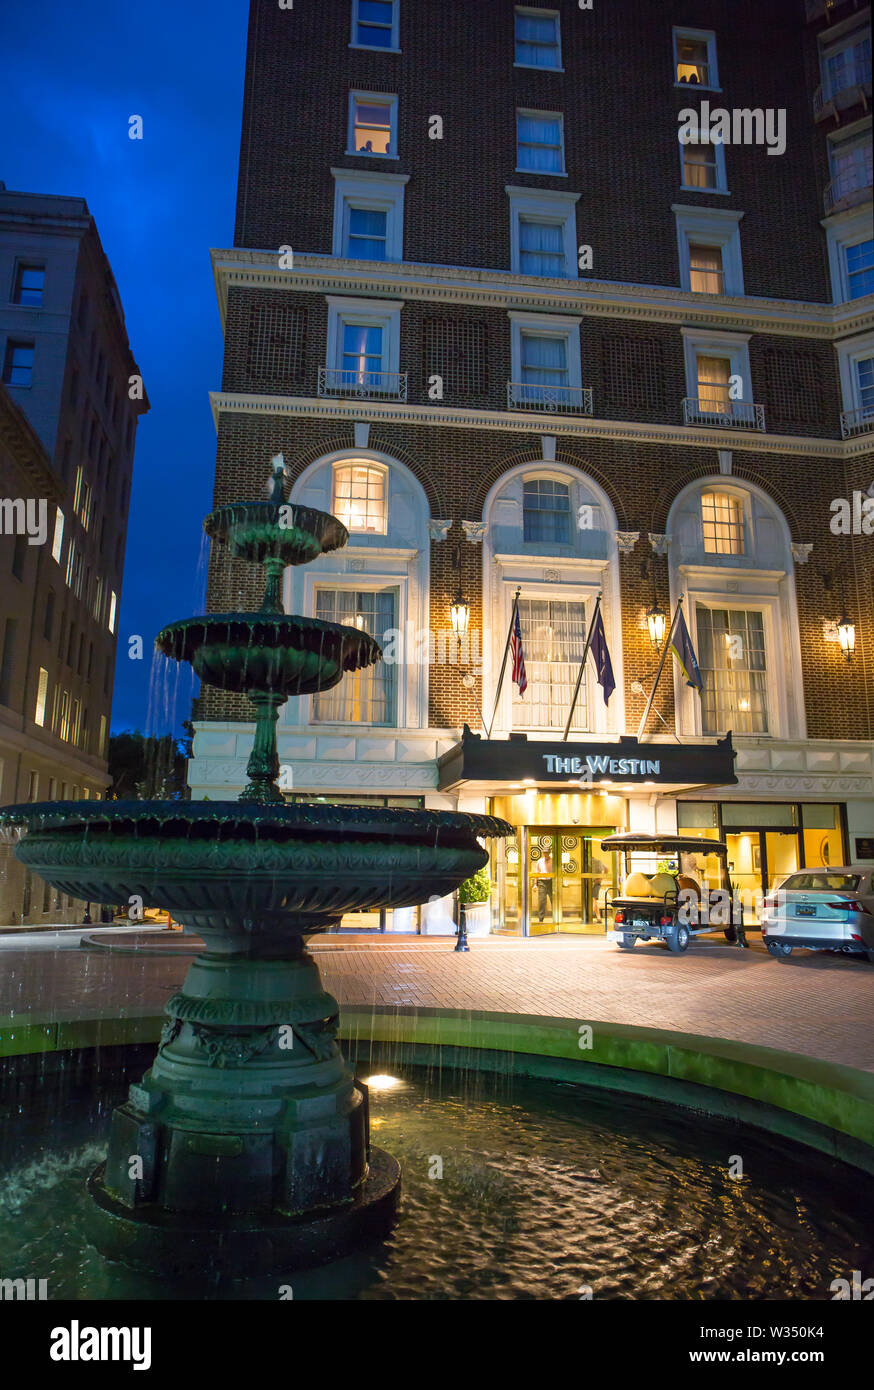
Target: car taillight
{"points": [[619, 915], [851, 906], [665, 921]]}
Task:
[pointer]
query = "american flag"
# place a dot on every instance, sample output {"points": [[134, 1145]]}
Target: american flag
{"points": [[519, 675]]}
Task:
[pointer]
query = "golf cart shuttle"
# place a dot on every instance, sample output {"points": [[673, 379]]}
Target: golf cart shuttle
{"points": [[673, 888]]}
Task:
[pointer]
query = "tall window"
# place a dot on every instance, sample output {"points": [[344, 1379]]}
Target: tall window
{"points": [[366, 234], [851, 164], [374, 23], [74, 563], [368, 696], [18, 364], [865, 383], [731, 653], [539, 142], [537, 39], [29, 284], [692, 60], [113, 605], [546, 511], [846, 64], [360, 497], [58, 538], [543, 364], [553, 637], [705, 269], [39, 716], [713, 384], [860, 268], [722, 520], [7, 661], [361, 361], [541, 248]]}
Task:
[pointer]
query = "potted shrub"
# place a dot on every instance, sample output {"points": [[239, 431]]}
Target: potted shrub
{"points": [[473, 897]]}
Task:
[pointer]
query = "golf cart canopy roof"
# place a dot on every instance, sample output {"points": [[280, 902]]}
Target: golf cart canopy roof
{"points": [[664, 843]]}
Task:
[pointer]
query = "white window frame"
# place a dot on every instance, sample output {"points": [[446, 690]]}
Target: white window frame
{"points": [[710, 227], [363, 583], [853, 135], [375, 48], [547, 326], [377, 98], [544, 205], [551, 475], [734, 346], [743, 498], [380, 468], [770, 609], [834, 41], [843, 230], [538, 14], [549, 116], [721, 176], [379, 313], [708, 36], [364, 188], [849, 353]]}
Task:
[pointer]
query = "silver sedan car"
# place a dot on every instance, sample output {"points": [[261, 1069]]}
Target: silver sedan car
{"points": [[822, 910]]}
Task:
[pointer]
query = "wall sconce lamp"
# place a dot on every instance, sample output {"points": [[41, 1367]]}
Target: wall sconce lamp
{"points": [[656, 618], [847, 636], [459, 609]]}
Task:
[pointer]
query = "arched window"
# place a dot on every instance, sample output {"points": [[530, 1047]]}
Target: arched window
{"points": [[360, 497]]}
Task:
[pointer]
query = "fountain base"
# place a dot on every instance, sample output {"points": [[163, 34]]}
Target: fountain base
{"points": [[156, 1240]]}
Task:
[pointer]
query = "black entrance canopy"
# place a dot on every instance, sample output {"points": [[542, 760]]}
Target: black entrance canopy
{"points": [[487, 763]]}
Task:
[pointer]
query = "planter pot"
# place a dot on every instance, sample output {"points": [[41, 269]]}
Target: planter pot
{"points": [[477, 918]]}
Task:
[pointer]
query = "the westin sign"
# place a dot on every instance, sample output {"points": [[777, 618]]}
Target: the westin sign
{"points": [[515, 760]]}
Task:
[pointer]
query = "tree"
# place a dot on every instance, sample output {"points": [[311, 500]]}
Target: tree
{"points": [[144, 768]]}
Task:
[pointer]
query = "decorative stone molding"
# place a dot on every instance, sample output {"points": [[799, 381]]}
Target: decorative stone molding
{"points": [[659, 543], [438, 530], [801, 551], [474, 530], [355, 565], [552, 576], [626, 541]]}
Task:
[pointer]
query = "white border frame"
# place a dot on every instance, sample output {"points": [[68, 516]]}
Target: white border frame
{"points": [[387, 98], [364, 188], [718, 227], [395, 30], [707, 36], [381, 313], [734, 346], [538, 14], [546, 205]]}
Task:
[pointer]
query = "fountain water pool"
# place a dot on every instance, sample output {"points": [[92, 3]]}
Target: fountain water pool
{"points": [[249, 1131]]}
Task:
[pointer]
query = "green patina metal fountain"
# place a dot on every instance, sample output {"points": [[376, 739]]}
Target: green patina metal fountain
{"points": [[246, 1146]]}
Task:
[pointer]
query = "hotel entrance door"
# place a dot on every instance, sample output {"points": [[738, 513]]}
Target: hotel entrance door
{"points": [[566, 878]]}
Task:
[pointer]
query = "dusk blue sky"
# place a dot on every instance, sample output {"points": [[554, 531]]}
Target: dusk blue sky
{"points": [[73, 75]]}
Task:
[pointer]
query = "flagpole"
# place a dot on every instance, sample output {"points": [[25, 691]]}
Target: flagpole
{"points": [[581, 671], [659, 671], [504, 662]]}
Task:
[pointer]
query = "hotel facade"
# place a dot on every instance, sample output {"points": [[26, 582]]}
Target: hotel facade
{"points": [[522, 339]]}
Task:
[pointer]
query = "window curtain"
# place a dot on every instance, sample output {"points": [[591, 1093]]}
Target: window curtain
{"points": [[731, 654], [536, 41], [553, 638], [539, 144], [368, 230], [368, 696], [541, 248], [362, 354], [544, 360]]}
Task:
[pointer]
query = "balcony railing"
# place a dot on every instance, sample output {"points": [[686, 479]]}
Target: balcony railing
{"points": [[850, 86], [848, 189], [555, 400], [735, 415], [855, 422], [370, 386]]}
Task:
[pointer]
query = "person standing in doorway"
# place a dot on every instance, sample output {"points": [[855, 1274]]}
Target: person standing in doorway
{"points": [[544, 884]]}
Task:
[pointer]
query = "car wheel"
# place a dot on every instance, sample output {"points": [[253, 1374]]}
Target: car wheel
{"points": [[677, 937], [730, 934], [627, 942], [779, 950]]}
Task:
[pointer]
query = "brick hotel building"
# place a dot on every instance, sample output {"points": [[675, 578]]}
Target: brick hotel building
{"points": [[67, 435], [488, 405]]}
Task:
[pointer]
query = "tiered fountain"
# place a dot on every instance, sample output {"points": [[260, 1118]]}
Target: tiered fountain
{"points": [[246, 1146]]}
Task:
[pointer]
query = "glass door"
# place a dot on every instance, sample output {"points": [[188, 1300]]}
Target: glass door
{"points": [[758, 862], [566, 880]]}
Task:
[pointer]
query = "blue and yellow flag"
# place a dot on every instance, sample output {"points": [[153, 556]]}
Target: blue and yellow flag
{"points": [[681, 646]]}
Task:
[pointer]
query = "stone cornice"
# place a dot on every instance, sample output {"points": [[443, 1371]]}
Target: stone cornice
{"points": [[501, 289], [523, 423]]}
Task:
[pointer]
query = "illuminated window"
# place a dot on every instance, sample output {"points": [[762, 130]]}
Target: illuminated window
{"points": [[731, 655], [368, 696], [701, 165], [723, 523], [373, 124], [74, 563], [360, 497], [553, 637], [101, 749], [695, 58], [41, 694], [705, 269], [64, 723], [713, 385], [113, 604]]}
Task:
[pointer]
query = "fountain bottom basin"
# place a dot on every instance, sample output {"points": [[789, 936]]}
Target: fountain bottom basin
{"points": [[155, 1239]]}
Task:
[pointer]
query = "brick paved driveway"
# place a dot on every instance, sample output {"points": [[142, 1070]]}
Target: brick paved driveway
{"points": [[820, 1006]]}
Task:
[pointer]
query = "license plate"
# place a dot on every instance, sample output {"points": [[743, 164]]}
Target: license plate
{"points": [[804, 910], [640, 922]]}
